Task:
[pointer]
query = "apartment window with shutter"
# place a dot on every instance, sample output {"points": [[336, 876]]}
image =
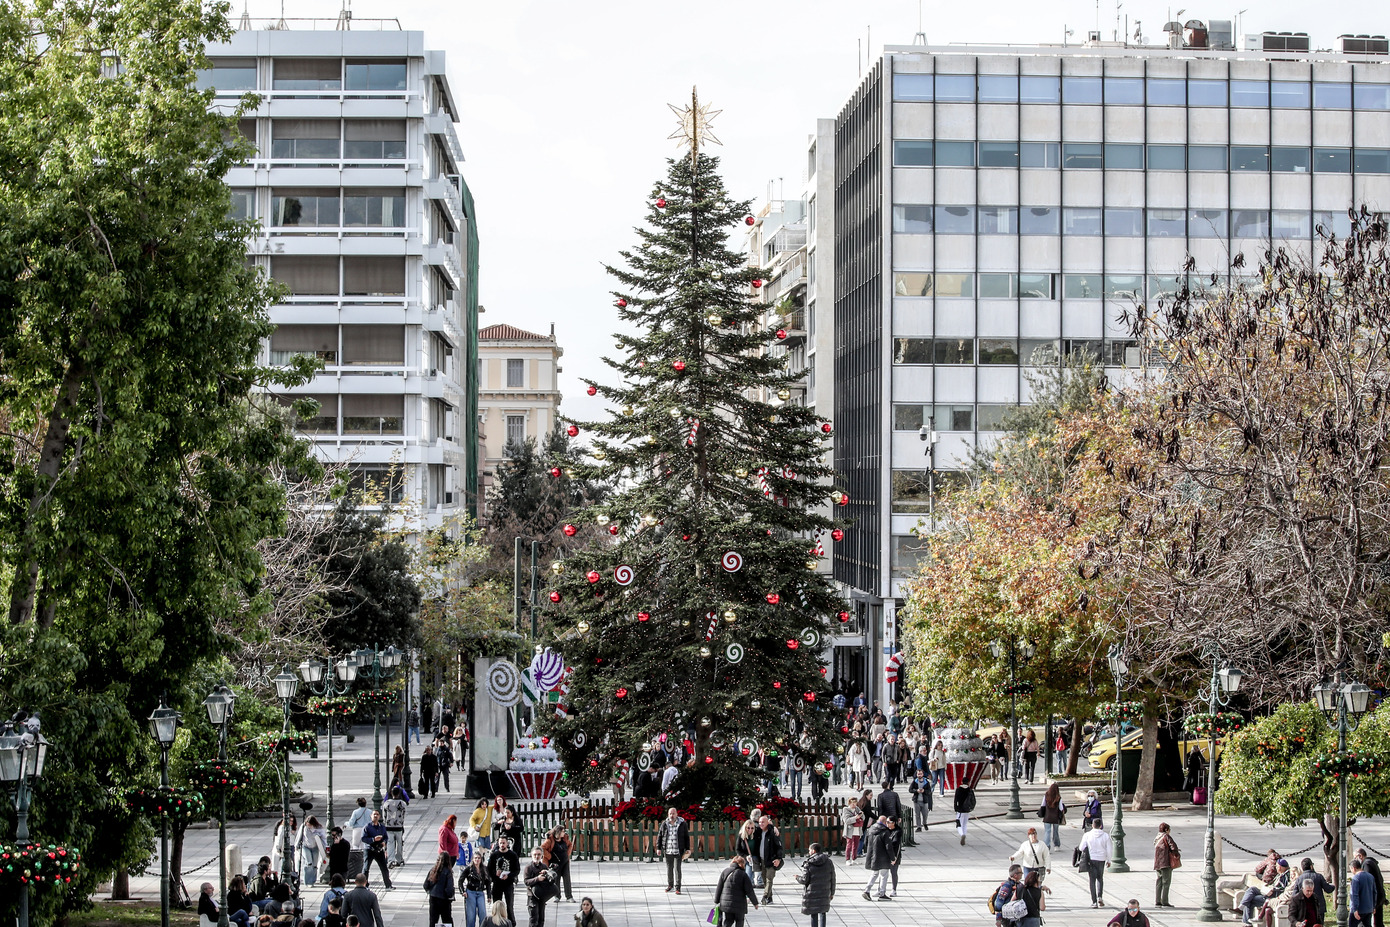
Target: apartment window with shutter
{"points": [[306, 276], [374, 276], [516, 429], [516, 368], [373, 344], [373, 415]]}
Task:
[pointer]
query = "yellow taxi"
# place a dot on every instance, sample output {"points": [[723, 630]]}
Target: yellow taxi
{"points": [[1102, 755]]}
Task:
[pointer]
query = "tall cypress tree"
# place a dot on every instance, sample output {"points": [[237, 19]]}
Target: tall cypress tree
{"points": [[699, 613]]}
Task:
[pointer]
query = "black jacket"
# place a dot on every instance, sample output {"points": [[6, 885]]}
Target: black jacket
{"points": [[1372, 865], [682, 839], [429, 766], [541, 881], [338, 853], [474, 880], [770, 848], [734, 891], [818, 881], [362, 902], [890, 805], [498, 863], [1313, 910], [882, 846], [964, 801]]}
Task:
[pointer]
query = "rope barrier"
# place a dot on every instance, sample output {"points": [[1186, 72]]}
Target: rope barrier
{"points": [[1263, 852]]}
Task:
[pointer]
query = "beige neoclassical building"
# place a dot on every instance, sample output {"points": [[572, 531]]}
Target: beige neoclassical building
{"points": [[518, 392]]}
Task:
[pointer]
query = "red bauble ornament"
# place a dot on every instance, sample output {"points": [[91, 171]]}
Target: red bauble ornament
{"points": [[757, 284], [822, 671], [684, 537], [661, 202], [825, 427], [745, 751], [829, 764], [570, 531], [748, 220], [844, 498], [572, 431], [621, 303], [793, 643], [644, 616], [555, 597], [773, 598], [612, 529], [592, 391], [781, 334], [555, 472], [678, 366], [593, 762], [622, 692], [545, 741], [776, 685], [837, 535], [844, 730], [810, 696], [592, 576], [709, 759], [843, 616]]}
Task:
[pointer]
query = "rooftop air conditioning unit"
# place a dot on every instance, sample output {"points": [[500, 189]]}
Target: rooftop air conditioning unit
{"points": [[1363, 45], [1285, 41]]}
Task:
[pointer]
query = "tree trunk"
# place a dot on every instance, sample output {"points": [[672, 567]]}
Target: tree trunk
{"points": [[1328, 823], [1074, 748], [120, 885], [1148, 759], [176, 894]]}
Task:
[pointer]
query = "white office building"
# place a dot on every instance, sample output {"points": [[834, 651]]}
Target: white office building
{"points": [[365, 218], [998, 206]]}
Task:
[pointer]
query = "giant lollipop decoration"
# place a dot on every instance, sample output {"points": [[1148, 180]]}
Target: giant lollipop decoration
{"points": [[548, 667], [504, 684]]}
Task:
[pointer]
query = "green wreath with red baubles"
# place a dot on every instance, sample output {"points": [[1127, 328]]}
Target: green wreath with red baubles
{"points": [[293, 742], [1207, 725], [1349, 763], [38, 864], [1127, 711], [215, 777], [328, 706], [179, 805]]}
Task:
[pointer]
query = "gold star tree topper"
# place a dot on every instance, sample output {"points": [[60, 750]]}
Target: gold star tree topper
{"points": [[694, 128]]}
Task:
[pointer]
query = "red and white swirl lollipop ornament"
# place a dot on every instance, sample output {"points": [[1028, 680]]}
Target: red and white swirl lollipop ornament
{"points": [[623, 575], [732, 561]]}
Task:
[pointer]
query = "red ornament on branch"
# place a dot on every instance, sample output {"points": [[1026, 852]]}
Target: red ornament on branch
{"points": [[622, 692], [570, 531], [572, 431], [748, 220], [776, 685], [837, 535], [644, 616], [678, 366], [781, 334], [661, 202], [843, 616], [773, 598], [555, 472], [555, 597], [613, 529], [757, 284], [621, 303], [592, 576], [592, 391], [810, 696], [793, 643], [825, 427]]}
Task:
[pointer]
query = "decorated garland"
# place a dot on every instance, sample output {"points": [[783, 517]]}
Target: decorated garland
{"points": [[1208, 725], [1016, 688], [212, 778], [378, 698], [293, 742], [1127, 711], [37, 864], [326, 706], [177, 804], [1347, 763]]}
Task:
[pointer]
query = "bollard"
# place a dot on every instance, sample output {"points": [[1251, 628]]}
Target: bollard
{"points": [[231, 863]]}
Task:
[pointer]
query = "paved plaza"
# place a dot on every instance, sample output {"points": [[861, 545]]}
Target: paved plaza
{"points": [[941, 882]]}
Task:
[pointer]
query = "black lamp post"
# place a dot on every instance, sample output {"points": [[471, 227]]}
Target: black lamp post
{"points": [[1224, 682], [286, 685], [331, 680], [1119, 668], [1020, 652], [1344, 703], [221, 705], [22, 754], [164, 726], [377, 664]]}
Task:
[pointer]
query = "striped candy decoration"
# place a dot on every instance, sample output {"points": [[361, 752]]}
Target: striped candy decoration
{"points": [[762, 482], [891, 668], [713, 625], [621, 773], [694, 430]]}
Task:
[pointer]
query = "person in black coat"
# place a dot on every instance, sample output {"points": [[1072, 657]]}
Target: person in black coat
{"points": [[964, 803], [429, 773], [1308, 906], [734, 893], [503, 869], [818, 885], [1372, 865], [889, 804], [673, 843], [882, 844], [542, 884], [770, 852], [339, 851]]}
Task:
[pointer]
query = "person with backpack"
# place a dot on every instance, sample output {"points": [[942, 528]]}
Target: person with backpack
{"points": [[882, 847], [439, 886], [964, 803], [1005, 895], [1130, 916], [444, 756], [336, 889]]}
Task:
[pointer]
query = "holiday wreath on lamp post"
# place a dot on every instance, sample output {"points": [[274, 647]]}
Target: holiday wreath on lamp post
{"points": [[378, 698], [179, 805], [215, 778], [1350, 763], [1126, 711], [293, 742], [1206, 725], [329, 706], [37, 864]]}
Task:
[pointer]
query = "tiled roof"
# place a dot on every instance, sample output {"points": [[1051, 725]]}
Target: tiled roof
{"points": [[504, 332]]}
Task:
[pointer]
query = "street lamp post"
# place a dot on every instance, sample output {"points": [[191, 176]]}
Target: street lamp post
{"points": [[1344, 702], [164, 726], [1224, 682], [1119, 668], [329, 680], [286, 685], [409, 658], [1020, 652], [22, 754], [220, 705], [378, 664]]}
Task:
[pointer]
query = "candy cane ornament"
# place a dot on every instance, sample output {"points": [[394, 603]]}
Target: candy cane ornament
{"points": [[892, 667]]}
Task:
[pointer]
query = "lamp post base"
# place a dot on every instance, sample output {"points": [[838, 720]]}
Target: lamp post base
{"points": [[1015, 812]]}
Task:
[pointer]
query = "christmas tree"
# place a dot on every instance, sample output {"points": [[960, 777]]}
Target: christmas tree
{"points": [[700, 614]]}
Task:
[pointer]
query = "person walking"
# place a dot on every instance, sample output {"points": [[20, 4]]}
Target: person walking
{"points": [[1372, 865], [429, 772], [1054, 815], [1033, 855], [883, 844], [1096, 848], [588, 915], [920, 790], [449, 837], [889, 804], [964, 803], [1031, 746], [511, 827], [339, 853], [439, 886], [393, 817], [1308, 908], [412, 725], [444, 757], [852, 819], [1130, 916], [770, 853], [481, 822], [734, 894], [541, 886], [503, 868], [1167, 857], [397, 767], [474, 883], [1033, 895], [1091, 815], [1006, 893], [558, 852], [362, 904], [673, 839], [374, 844], [936, 762], [817, 880], [310, 847], [1361, 900], [858, 760]]}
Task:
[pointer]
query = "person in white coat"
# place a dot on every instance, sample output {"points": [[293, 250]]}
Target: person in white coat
{"points": [[858, 759], [1032, 855], [310, 847], [277, 848]]}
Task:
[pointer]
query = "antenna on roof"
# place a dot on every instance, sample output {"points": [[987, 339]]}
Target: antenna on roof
{"points": [[245, 17], [282, 24], [345, 16], [921, 37]]}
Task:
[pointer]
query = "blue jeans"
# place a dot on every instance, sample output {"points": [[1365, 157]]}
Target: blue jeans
{"points": [[485, 843], [413, 731], [474, 908], [238, 916], [311, 864], [794, 779], [938, 778], [1052, 836]]}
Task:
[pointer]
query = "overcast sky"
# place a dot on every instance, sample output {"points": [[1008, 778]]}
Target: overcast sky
{"points": [[563, 118]]}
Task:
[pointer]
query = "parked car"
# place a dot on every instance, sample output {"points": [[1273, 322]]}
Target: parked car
{"points": [[1102, 755]]}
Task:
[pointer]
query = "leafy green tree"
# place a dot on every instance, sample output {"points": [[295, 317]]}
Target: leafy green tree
{"points": [[374, 598], [134, 475], [707, 476]]}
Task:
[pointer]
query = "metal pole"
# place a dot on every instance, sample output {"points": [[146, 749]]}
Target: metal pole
{"points": [[1343, 915], [535, 585], [222, 920], [330, 754], [516, 587], [405, 719], [1015, 809], [1117, 834], [21, 832], [376, 763], [286, 852], [1211, 911], [164, 842]]}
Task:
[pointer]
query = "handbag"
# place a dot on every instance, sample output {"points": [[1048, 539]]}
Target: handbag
{"points": [[713, 916], [1042, 811], [1014, 910]]}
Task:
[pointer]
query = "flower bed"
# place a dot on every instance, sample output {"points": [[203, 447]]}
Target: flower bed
{"points": [[1347, 763], [1208, 725], [177, 804]]}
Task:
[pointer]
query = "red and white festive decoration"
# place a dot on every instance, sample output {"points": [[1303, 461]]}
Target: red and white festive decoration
{"points": [[613, 529], [837, 535], [621, 772], [732, 561], [572, 431], [554, 596], [534, 769], [694, 430], [623, 575], [622, 303], [592, 576], [713, 625], [891, 668]]}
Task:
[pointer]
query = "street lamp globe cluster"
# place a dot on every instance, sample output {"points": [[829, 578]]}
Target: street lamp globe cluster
{"points": [[221, 706], [377, 664], [1342, 703], [329, 679], [1119, 669], [164, 727], [1223, 684]]}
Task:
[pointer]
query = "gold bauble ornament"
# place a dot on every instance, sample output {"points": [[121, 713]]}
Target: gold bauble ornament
{"points": [[704, 651], [784, 394], [741, 473], [600, 455], [772, 419], [582, 627], [601, 519], [649, 519], [810, 564], [730, 616], [651, 439], [627, 410], [714, 318], [557, 567]]}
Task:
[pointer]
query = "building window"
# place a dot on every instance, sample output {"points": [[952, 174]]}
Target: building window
{"points": [[1289, 160], [289, 341], [910, 490], [998, 88], [1039, 220], [1207, 223], [307, 74], [1164, 91], [374, 345], [516, 371], [912, 220], [1287, 94], [955, 220], [302, 139], [914, 417], [912, 88], [1081, 155], [1167, 223], [1332, 160], [1038, 352], [1124, 222], [912, 153], [1250, 223], [1206, 158], [1127, 91], [1372, 96], [1327, 95], [955, 154], [228, 76], [952, 351], [1290, 224], [1039, 90], [1081, 286], [1253, 93], [374, 276], [376, 480], [909, 552], [955, 88], [990, 416], [367, 414], [1372, 161], [1081, 220], [1081, 90], [1040, 154], [1167, 157], [516, 430], [381, 76], [374, 139], [374, 208], [243, 205], [1124, 157], [998, 351], [1037, 286], [1249, 158], [1206, 93], [998, 220], [998, 154], [306, 207], [1124, 286], [306, 275], [325, 420], [926, 284]]}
